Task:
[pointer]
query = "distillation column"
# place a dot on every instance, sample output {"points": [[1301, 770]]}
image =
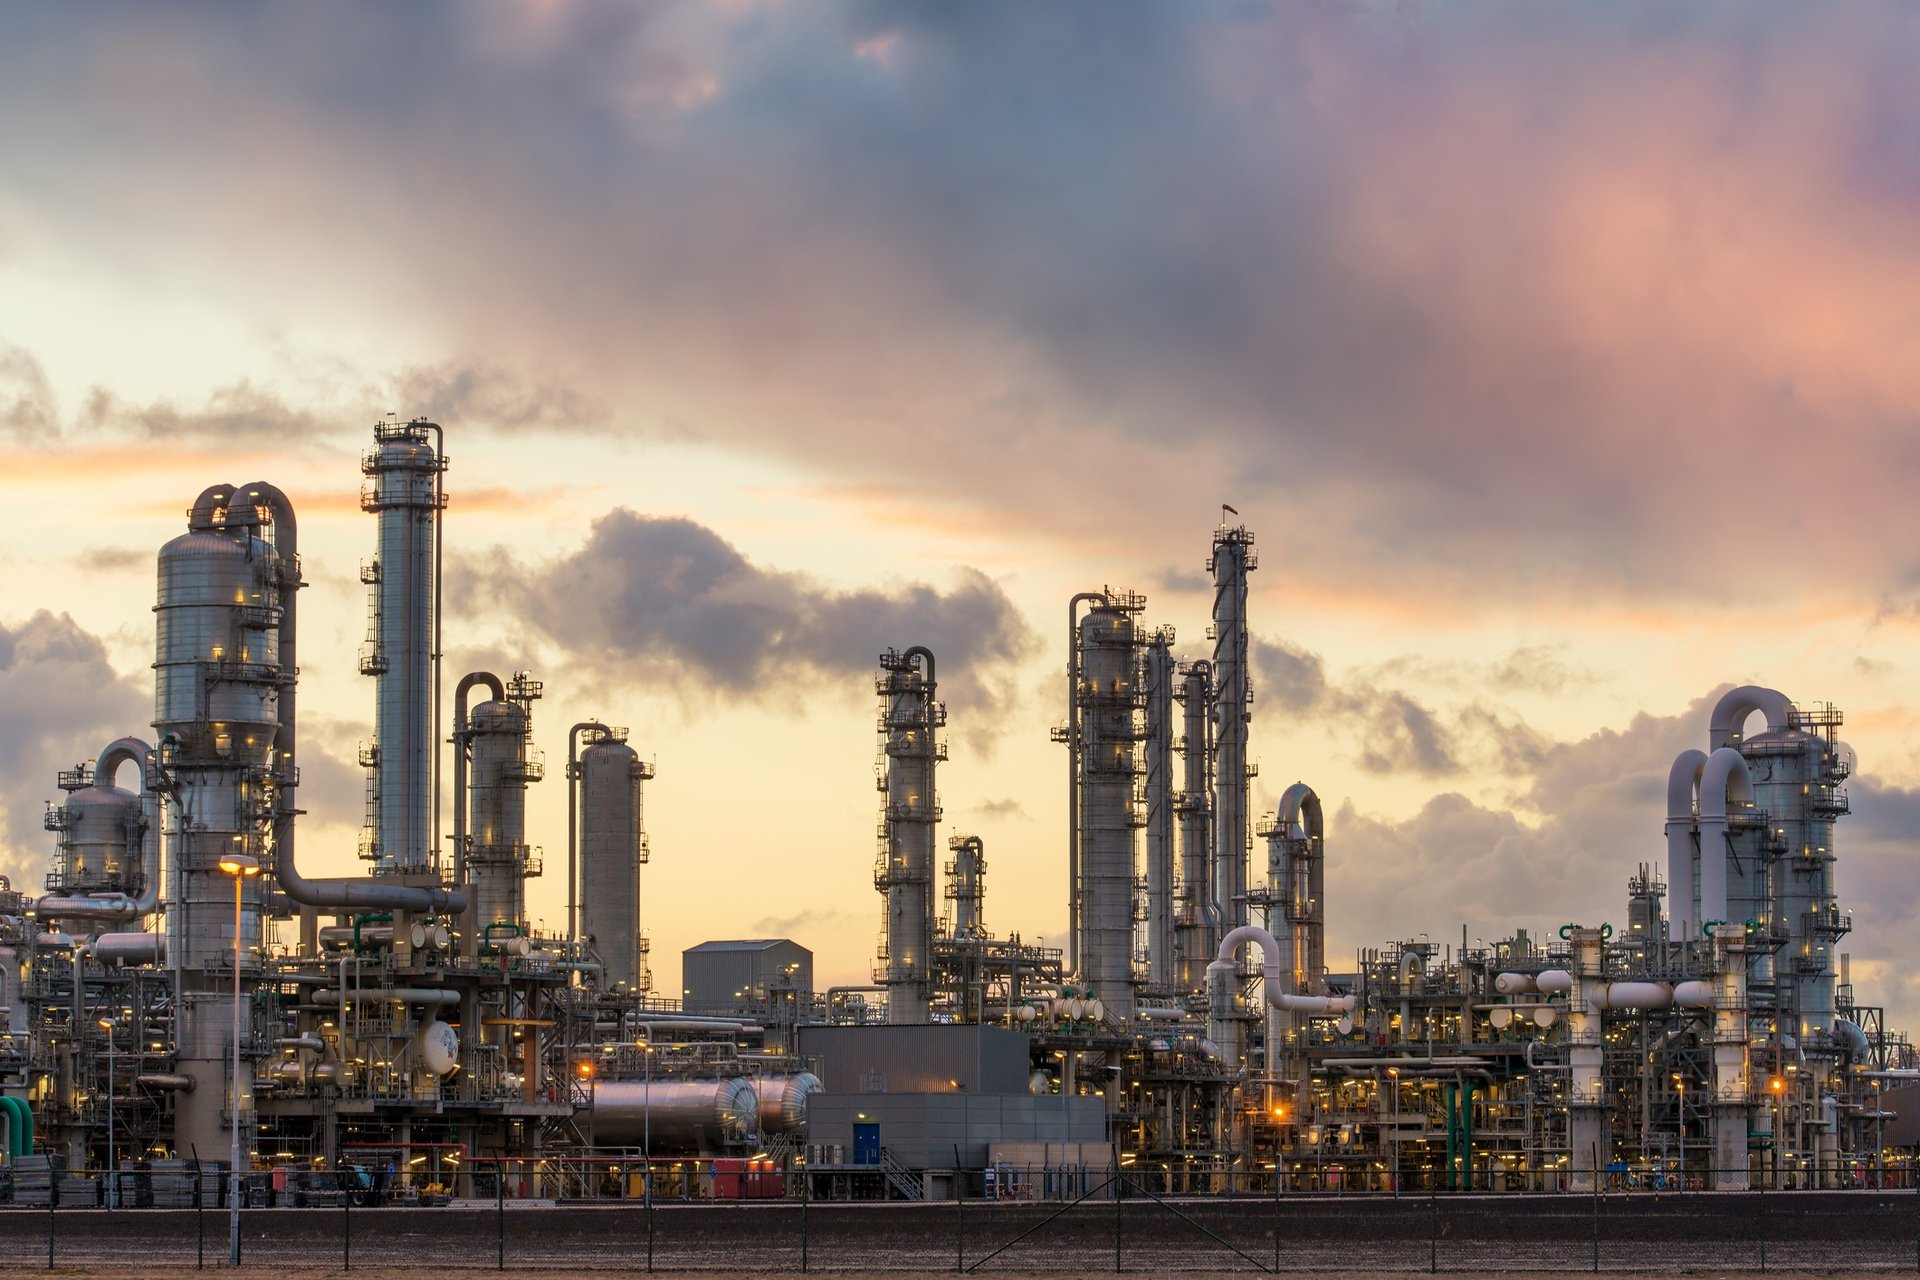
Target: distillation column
{"points": [[403, 488], [1797, 768], [1159, 675], [498, 859], [1589, 1141], [1231, 561], [1732, 1060], [1198, 931], [217, 687], [967, 886], [613, 848], [910, 720], [1110, 725]]}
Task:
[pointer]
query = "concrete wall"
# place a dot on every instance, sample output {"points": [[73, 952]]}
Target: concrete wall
{"points": [[920, 1059], [936, 1130]]}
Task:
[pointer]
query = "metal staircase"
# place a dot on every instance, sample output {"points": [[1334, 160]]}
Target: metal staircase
{"points": [[902, 1179]]}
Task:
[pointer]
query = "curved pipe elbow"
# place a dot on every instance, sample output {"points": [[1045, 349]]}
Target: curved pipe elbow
{"points": [[1683, 783], [1300, 812], [1725, 780], [1731, 712]]}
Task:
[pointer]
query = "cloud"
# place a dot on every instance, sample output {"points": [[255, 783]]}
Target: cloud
{"points": [[490, 396], [1394, 731], [1006, 807], [61, 701], [665, 595], [28, 412], [1409, 276]]}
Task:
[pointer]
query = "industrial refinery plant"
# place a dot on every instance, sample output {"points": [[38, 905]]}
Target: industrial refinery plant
{"points": [[181, 992]]}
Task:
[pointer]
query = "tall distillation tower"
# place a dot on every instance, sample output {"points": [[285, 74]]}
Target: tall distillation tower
{"points": [[1231, 561], [1108, 726], [218, 681], [1158, 675], [1198, 930], [910, 747], [403, 487]]}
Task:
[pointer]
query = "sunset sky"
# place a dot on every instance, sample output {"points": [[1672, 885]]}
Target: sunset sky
{"points": [[1560, 357]]}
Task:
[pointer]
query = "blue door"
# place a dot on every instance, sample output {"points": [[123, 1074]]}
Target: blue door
{"points": [[866, 1144]]}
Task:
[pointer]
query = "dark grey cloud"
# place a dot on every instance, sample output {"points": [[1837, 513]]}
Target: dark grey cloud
{"points": [[669, 595], [61, 701], [1405, 275], [1006, 807]]}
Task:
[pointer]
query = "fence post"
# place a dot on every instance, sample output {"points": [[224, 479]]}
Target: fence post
{"points": [[959, 1221], [500, 1214], [199, 1216], [346, 1232], [52, 1191], [1433, 1233], [1760, 1224], [806, 1195], [1599, 1180], [1113, 1185]]}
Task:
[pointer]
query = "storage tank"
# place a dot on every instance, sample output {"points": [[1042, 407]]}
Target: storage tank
{"points": [[783, 1101], [613, 847], [674, 1117]]}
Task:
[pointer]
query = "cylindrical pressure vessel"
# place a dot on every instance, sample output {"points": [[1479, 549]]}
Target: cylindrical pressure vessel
{"points": [[674, 1117], [783, 1101], [613, 846], [497, 827]]}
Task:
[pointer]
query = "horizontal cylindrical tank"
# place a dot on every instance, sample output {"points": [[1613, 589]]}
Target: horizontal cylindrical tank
{"points": [[674, 1117], [783, 1101], [1513, 984]]}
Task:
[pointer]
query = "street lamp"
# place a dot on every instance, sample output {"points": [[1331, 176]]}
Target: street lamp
{"points": [[241, 868], [113, 1188], [646, 1122], [1393, 1073], [1680, 1099]]}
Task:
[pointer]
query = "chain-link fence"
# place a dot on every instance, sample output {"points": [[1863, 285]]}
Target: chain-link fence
{"points": [[1115, 1221]]}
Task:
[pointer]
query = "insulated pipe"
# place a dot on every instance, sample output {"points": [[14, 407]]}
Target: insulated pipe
{"points": [[1683, 784], [1731, 712], [169, 1081], [573, 821], [1631, 995], [1271, 972], [406, 995], [1724, 782], [128, 948], [1073, 773], [1694, 994], [353, 894]]}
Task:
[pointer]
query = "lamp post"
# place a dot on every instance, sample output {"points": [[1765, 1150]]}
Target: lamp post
{"points": [[113, 1189], [1393, 1073], [1680, 1101], [646, 1122], [240, 867]]}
